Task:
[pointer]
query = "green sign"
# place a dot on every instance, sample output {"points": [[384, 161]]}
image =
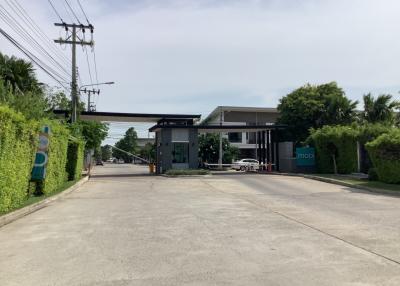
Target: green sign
{"points": [[41, 158], [305, 156]]}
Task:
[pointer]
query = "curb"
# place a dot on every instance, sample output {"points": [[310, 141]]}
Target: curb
{"points": [[185, 176], [17, 214], [341, 183]]}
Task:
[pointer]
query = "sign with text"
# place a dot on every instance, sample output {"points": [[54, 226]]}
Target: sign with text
{"points": [[41, 158], [305, 156]]}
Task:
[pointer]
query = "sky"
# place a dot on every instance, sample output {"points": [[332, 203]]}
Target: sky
{"points": [[176, 56]]}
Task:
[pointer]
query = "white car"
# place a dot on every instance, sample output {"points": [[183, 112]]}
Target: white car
{"points": [[246, 165]]}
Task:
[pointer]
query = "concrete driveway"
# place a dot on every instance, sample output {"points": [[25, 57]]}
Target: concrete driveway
{"points": [[228, 229]]}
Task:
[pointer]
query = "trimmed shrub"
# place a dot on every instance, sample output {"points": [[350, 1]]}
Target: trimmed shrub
{"points": [[75, 156], [18, 143], [339, 142], [367, 133], [385, 155], [372, 175]]}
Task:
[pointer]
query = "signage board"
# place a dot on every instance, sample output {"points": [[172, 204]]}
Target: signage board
{"points": [[41, 158], [305, 156]]}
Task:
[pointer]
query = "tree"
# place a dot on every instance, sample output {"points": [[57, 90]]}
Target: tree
{"points": [[128, 144], [58, 100], [106, 152], [148, 152], [19, 74], [92, 132], [313, 106], [209, 149], [382, 109]]}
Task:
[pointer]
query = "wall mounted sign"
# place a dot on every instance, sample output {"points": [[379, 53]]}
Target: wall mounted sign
{"points": [[41, 158], [305, 156]]}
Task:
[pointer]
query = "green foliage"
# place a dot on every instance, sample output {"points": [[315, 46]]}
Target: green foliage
{"points": [[313, 106], [75, 155], [106, 152], [18, 74], [186, 172], [17, 150], [373, 174], [382, 109], [128, 144], [337, 143], [209, 149], [32, 104], [385, 155], [92, 132], [148, 152]]}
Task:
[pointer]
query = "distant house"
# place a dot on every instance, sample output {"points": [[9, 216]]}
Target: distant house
{"points": [[235, 115]]}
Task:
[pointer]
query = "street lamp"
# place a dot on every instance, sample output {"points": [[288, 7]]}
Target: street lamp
{"points": [[93, 91]]}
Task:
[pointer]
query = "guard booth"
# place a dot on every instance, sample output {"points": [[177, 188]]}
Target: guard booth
{"points": [[176, 137], [178, 147]]}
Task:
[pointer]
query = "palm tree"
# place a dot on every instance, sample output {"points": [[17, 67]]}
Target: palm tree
{"points": [[381, 109], [18, 73]]}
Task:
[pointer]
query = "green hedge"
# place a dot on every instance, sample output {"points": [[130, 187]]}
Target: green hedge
{"points": [[18, 142], [75, 159], [340, 141], [384, 152]]}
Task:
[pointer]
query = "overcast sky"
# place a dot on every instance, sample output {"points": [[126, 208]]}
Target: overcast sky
{"points": [[187, 56]]}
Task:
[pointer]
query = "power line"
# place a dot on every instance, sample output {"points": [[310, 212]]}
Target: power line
{"points": [[72, 10], [55, 11], [23, 33], [32, 57], [83, 11], [87, 60], [30, 23]]}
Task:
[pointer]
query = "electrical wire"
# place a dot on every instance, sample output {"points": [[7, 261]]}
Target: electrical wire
{"points": [[32, 57], [40, 35], [24, 35], [83, 11], [73, 12], [55, 11]]}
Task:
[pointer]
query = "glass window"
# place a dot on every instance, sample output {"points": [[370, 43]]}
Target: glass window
{"points": [[180, 152], [235, 137]]}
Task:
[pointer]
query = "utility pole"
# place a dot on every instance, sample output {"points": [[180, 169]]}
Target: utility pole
{"points": [[89, 92], [220, 140], [72, 40]]}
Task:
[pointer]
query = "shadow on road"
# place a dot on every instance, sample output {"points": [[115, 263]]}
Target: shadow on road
{"points": [[120, 175]]}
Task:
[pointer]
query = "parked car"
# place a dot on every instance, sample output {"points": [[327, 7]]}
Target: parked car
{"points": [[246, 164], [99, 163], [121, 161]]}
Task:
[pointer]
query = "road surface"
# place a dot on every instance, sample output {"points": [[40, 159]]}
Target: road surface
{"points": [[126, 228]]}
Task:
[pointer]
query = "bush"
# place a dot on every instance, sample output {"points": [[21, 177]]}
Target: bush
{"points": [[17, 150], [75, 156], [385, 155], [186, 172], [372, 174], [335, 141]]}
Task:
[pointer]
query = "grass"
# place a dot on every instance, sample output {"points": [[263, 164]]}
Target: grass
{"points": [[34, 199], [362, 182], [187, 172]]}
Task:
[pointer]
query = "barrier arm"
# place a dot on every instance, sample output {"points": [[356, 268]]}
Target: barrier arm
{"points": [[130, 154]]}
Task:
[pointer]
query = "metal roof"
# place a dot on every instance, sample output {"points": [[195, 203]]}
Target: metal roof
{"points": [[221, 128], [127, 117]]}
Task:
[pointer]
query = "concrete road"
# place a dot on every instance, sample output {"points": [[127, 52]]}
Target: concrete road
{"points": [[218, 230]]}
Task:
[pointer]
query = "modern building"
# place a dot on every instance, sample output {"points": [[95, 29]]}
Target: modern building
{"points": [[245, 116]]}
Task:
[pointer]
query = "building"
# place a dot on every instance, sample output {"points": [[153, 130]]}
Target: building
{"points": [[246, 116]]}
